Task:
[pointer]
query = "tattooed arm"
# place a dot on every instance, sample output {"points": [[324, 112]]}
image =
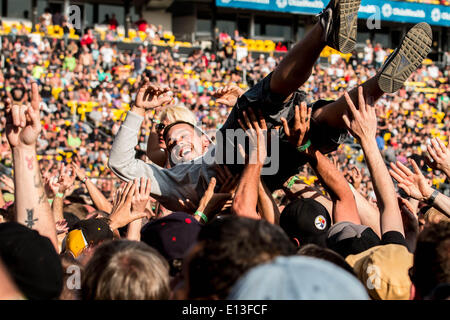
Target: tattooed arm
{"points": [[31, 204]]}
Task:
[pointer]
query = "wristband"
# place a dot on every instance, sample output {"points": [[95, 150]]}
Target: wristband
{"points": [[304, 147], [59, 195], [202, 215], [84, 179], [292, 181], [433, 196]]}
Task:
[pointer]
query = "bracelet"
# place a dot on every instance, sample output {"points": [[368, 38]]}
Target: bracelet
{"points": [[59, 195], [292, 181], [202, 215], [304, 147], [84, 179], [433, 196]]}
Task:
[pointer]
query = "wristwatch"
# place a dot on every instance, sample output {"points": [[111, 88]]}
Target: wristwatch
{"points": [[433, 196]]}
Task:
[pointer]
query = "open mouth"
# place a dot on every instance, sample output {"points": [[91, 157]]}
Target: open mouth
{"points": [[185, 150]]}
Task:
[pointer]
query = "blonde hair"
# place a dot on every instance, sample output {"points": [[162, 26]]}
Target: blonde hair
{"points": [[178, 113], [435, 216]]}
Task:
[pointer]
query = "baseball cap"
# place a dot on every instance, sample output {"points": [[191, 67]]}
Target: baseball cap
{"points": [[171, 235], [307, 220], [85, 233], [384, 271], [298, 278], [348, 238], [32, 261]]}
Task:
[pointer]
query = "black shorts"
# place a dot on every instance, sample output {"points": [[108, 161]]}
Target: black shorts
{"points": [[272, 106]]}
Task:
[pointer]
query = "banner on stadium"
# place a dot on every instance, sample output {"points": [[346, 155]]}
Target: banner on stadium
{"points": [[397, 11]]}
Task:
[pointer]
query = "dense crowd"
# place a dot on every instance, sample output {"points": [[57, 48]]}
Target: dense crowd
{"points": [[84, 116]]}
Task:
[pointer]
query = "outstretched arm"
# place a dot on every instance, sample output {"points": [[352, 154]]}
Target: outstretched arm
{"points": [[246, 197], [363, 126], [122, 159], [99, 200], [440, 155], [418, 187], [31, 204]]}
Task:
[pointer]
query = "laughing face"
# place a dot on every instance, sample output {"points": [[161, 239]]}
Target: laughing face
{"points": [[183, 143]]}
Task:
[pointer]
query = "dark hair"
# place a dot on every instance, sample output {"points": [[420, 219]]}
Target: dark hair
{"points": [[313, 250], [432, 258], [228, 247], [126, 270]]}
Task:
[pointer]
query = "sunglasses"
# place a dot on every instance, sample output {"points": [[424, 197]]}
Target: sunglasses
{"points": [[160, 126]]}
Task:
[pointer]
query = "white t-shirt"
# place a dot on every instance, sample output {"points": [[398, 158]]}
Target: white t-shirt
{"points": [[107, 54]]}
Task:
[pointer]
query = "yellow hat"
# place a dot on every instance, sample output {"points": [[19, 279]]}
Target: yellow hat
{"points": [[384, 271], [76, 242]]}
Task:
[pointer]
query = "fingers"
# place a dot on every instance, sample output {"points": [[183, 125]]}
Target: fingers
{"points": [[262, 120], [35, 97], [247, 121], [403, 170], [142, 186], [148, 187], [415, 167], [130, 192], [432, 153], [212, 184], [442, 144], [361, 102], [398, 174], [15, 114], [350, 104], [285, 127], [297, 119], [346, 119], [22, 116], [437, 147]]}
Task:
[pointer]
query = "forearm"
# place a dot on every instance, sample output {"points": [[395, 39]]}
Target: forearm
{"points": [[369, 214], [246, 197], [391, 219], [134, 230], [31, 204], [99, 200], [442, 203], [267, 206], [57, 208], [344, 205]]}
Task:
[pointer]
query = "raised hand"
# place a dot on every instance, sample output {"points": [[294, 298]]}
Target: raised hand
{"points": [[121, 214], [440, 155], [8, 182], [228, 95], [297, 133], [356, 177], [141, 196], [66, 178], [256, 129], [79, 172], [414, 183], [150, 96], [23, 123], [363, 124], [227, 181]]}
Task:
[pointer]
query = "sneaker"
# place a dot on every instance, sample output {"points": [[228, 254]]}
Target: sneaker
{"points": [[339, 21], [404, 60]]}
